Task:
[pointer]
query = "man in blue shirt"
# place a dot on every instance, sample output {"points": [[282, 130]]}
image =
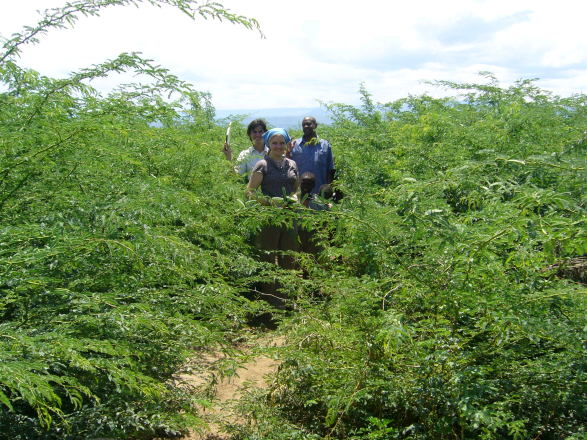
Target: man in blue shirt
{"points": [[312, 154]]}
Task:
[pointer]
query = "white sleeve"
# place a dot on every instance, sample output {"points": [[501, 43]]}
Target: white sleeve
{"points": [[242, 163]]}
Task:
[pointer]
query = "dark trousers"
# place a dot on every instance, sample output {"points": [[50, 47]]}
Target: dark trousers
{"points": [[277, 238], [308, 242]]}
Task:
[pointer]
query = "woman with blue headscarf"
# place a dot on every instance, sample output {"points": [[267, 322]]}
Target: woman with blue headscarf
{"points": [[275, 175], [275, 172]]}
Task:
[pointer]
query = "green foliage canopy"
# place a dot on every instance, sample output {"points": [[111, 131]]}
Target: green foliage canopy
{"points": [[115, 261], [442, 314], [435, 311]]}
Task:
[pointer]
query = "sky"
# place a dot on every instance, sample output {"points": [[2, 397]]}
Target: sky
{"points": [[319, 50]]}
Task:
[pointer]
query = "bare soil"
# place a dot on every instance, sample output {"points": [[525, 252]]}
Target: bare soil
{"points": [[228, 391]]}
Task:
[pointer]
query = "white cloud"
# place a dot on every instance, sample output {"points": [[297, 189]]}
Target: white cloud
{"points": [[319, 50]]}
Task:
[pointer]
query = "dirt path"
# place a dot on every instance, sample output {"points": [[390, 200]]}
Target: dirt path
{"points": [[228, 391]]}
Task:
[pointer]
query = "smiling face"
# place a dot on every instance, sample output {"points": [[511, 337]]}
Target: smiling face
{"points": [[277, 145], [257, 135]]}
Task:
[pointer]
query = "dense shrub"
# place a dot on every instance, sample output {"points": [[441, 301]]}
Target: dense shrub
{"points": [[442, 306], [117, 243], [439, 315]]}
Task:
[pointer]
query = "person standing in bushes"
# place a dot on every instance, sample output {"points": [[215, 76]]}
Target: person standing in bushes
{"points": [[274, 175], [309, 200], [248, 158], [307, 184], [312, 154], [325, 192], [317, 202]]}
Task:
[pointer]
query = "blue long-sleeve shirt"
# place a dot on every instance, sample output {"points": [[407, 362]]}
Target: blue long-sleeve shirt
{"points": [[315, 158]]}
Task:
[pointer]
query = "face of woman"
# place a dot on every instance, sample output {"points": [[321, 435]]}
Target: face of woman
{"points": [[278, 145], [257, 134]]}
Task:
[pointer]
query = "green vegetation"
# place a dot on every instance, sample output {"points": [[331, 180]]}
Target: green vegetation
{"points": [[438, 312], [120, 255], [440, 308]]}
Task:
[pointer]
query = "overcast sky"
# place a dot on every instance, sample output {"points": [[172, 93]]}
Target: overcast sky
{"points": [[321, 50]]}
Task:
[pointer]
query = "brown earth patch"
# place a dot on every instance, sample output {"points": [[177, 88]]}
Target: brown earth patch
{"points": [[227, 390]]}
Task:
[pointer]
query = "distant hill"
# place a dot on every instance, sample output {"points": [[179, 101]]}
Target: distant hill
{"points": [[279, 117]]}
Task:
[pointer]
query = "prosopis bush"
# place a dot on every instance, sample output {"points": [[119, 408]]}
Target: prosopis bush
{"points": [[107, 290], [438, 316]]}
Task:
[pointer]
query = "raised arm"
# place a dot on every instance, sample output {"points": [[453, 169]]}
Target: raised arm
{"points": [[227, 152], [290, 146]]}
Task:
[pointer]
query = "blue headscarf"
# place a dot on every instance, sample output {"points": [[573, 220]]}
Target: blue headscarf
{"points": [[269, 134]]}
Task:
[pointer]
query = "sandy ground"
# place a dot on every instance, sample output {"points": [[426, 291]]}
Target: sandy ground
{"points": [[228, 391]]}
